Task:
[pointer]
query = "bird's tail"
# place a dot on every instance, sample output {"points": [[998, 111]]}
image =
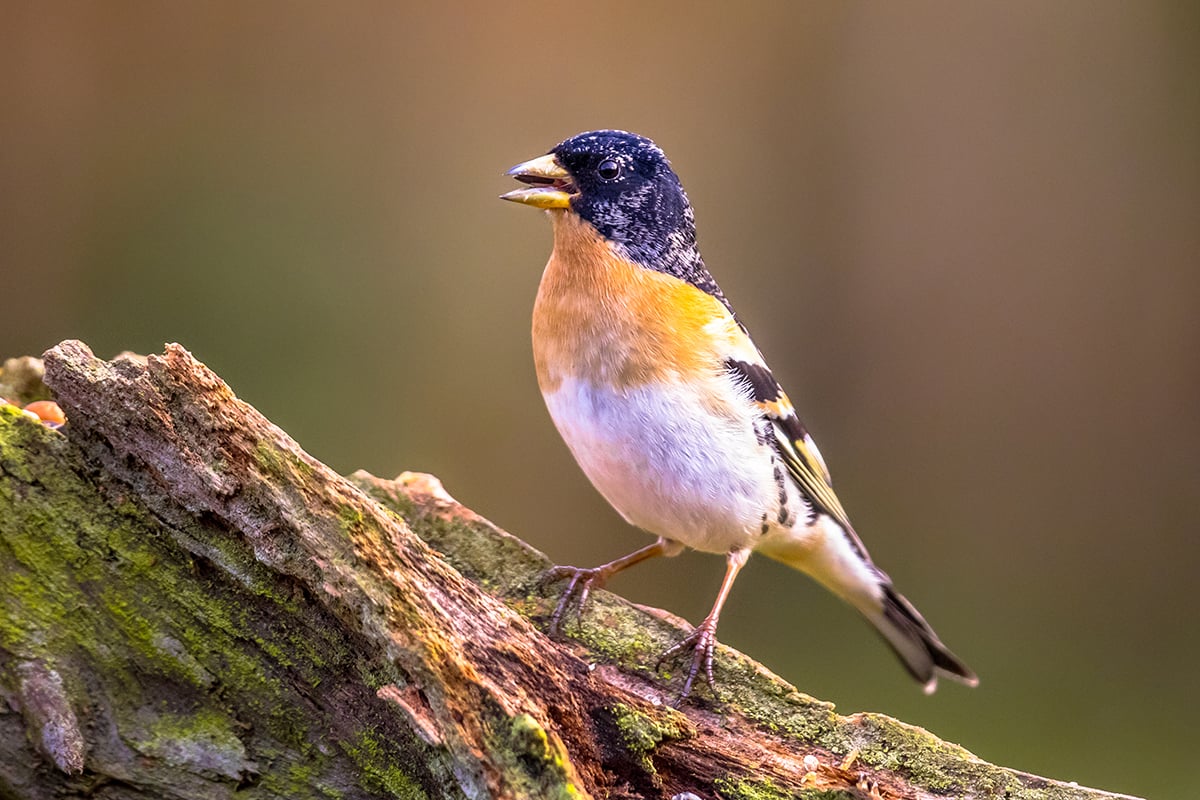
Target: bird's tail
{"points": [[835, 558], [911, 638]]}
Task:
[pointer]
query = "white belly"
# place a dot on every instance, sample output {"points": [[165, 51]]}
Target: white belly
{"points": [[668, 464]]}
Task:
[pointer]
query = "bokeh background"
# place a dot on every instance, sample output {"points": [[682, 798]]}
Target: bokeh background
{"points": [[967, 236]]}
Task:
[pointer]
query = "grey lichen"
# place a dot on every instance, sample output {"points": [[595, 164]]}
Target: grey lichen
{"points": [[48, 708], [204, 741]]}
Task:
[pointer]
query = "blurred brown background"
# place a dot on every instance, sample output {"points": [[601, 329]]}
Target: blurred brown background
{"points": [[967, 236]]}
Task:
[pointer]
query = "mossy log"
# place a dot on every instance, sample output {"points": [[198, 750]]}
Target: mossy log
{"points": [[193, 607]]}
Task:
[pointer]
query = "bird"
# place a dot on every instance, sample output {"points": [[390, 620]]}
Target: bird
{"points": [[670, 409]]}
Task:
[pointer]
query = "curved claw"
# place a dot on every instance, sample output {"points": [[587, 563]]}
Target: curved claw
{"points": [[703, 643], [583, 580], [577, 591]]}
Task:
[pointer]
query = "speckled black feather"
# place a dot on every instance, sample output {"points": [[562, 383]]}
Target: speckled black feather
{"points": [[644, 210]]}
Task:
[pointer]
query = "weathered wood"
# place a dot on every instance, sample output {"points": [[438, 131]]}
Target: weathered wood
{"points": [[191, 606]]}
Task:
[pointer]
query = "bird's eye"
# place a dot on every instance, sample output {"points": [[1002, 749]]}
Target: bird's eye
{"points": [[608, 169]]}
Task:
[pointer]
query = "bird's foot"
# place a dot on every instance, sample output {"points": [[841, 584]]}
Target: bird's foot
{"points": [[580, 585], [703, 643]]}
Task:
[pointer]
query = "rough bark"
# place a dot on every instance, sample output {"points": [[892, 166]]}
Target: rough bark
{"points": [[191, 606]]}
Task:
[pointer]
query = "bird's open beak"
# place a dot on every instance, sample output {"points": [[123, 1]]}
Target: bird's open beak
{"points": [[550, 185]]}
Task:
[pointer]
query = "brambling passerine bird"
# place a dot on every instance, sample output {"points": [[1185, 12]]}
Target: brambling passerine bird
{"points": [[669, 408]]}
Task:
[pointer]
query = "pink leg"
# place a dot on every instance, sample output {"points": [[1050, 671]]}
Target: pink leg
{"points": [[703, 640], [584, 580]]}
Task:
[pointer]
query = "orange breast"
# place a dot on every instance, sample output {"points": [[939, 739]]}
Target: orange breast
{"points": [[601, 318]]}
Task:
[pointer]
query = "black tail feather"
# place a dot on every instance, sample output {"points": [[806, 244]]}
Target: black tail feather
{"points": [[915, 643]]}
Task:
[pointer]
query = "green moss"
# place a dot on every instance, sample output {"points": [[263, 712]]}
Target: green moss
{"points": [[619, 632], [17, 435], [738, 789], [777, 706], [470, 544], [536, 764], [885, 743], [380, 673], [378, 762], [283, 464], [928, 762], [100, 576], [638, 732], [743, 789], [350, 519], [41, 600], [641, 733], [300, 781]]}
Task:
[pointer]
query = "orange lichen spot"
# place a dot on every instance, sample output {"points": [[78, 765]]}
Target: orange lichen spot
{"points": [[47, 411]]}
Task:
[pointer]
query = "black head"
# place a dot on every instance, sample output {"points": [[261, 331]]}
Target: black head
{"points": [[626, 189], [623, 185]]}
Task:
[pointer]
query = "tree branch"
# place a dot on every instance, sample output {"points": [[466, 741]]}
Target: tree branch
{"points": [[191, 606]]}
